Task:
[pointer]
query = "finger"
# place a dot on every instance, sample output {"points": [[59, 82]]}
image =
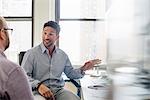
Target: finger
{"points": [[42, 93], [96, 61], [50, 98], [45, 95], [49, 94], [53, 98]]}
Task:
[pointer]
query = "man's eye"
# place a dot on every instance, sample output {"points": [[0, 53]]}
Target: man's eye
{"points": [[50, 33]]}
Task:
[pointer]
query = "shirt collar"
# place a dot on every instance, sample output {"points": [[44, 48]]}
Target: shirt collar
{"points": [[44, 49], [2, 53]]}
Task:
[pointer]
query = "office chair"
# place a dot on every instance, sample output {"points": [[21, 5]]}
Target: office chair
{"points": [[74, 82]]}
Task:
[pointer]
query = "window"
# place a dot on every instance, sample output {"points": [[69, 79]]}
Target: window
{"points": [[128, 32], [18, 14], [82, 34]]}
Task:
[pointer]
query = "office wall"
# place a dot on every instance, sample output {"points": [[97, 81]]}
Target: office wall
{"points": [[44, 10]]}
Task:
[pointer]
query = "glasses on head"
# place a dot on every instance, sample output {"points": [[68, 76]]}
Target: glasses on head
{"points": [[9, 30]]}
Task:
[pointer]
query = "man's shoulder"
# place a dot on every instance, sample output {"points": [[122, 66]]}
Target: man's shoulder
{"points": [[34, 49], [7, 62], [8, 66], [61, 51]]}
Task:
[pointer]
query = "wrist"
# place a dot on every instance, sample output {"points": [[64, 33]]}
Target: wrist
{"points": [[82, 70]]}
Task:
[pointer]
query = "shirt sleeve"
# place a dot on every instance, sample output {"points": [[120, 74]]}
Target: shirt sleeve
{"points": [[28, 65], [18, 86], [71, 72]]}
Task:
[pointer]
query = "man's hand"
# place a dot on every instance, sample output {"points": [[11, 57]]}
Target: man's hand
{"points": [[46, 92], [90, 64]]}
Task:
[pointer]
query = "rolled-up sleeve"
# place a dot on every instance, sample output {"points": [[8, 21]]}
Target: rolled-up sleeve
{"points": [[71, 72]]}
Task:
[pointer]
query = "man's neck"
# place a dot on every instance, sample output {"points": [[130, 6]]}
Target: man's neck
{"points": [[2, 52], [1, 48], [51, 49]]}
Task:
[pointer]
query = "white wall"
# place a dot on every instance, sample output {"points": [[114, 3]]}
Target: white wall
{"points": [[44, 10]]}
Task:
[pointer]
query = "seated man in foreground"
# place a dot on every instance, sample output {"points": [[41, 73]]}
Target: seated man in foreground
{"points": [[14, 83]]}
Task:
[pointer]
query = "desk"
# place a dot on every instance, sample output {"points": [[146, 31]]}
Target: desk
{"points": [[123, 86], [102, 92], [131, 86]]}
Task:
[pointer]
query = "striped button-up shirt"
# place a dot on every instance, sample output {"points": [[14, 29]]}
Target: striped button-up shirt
{"points": [[40, 66]]}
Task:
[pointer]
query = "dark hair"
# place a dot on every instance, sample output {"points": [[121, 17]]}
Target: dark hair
{"points": [[53, 24]]}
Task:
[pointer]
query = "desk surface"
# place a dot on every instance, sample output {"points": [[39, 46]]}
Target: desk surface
{"points": [[122, 87], [95, 88]]}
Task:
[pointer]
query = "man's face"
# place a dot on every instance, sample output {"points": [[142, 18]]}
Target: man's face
{"points": [[49, 36]]}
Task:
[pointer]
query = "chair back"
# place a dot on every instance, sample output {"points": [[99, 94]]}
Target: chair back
{"points": [[21, 54]]}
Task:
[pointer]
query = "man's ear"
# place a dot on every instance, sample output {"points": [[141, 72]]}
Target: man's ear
{"points": [[2, 34]]}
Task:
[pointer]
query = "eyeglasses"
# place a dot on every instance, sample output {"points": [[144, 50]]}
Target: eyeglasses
{"points": [[9, 30]]}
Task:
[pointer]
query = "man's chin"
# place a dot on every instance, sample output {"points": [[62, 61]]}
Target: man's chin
{"points": [[48, 44]]}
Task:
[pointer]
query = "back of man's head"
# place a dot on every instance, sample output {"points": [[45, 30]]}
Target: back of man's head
{"points": [[52, 24], [2, 22], [4, 37]]}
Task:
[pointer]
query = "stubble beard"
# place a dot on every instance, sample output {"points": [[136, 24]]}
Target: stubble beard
{"points": [[7, 43], [48, 45]]}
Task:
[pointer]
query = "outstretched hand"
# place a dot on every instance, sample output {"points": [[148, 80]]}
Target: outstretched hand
{"points": [[90, 64]]}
